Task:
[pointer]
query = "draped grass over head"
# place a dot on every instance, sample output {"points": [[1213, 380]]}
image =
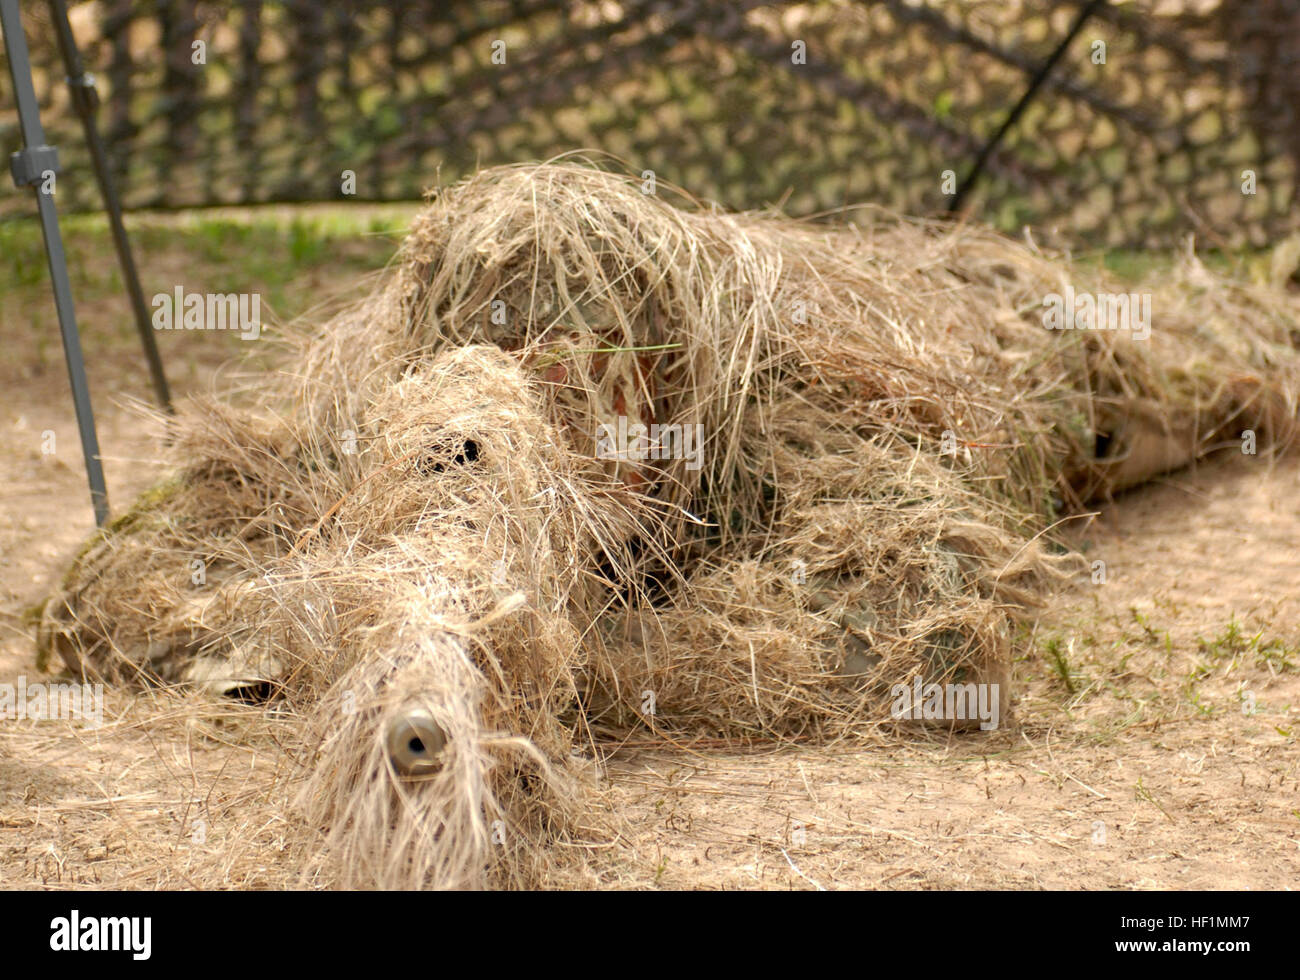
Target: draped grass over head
{"points": [[414, 515]]}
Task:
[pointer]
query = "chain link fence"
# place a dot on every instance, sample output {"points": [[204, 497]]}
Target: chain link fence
{"points": [[1161, 118]]}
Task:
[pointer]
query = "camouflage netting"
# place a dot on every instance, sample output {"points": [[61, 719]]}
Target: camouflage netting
{"points": [[891, 96]]}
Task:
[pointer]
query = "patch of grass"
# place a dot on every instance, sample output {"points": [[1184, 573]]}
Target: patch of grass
{"points": [[1139, 265], [1276, 656], [1107, 730], [1203, 708], [22, 255], [1150, 635], [1235, 644], [283, 254], [1059, 662], [1142, 793]]}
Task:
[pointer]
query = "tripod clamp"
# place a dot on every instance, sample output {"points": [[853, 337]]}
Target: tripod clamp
{"points": [[30, 165], [85, 97]]}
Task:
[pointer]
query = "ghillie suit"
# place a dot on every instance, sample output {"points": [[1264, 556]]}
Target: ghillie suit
{"points": [[441, 535]]}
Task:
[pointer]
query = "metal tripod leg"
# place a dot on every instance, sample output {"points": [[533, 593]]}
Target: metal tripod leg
{"points": [[34, 166], [85, 99]]}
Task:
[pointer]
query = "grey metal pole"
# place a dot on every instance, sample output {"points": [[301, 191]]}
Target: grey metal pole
{"points": [[959, 198], [85, 99], [32, 166]]}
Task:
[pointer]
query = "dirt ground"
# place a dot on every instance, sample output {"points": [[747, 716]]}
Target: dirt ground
{"points": [[1152, 742]]}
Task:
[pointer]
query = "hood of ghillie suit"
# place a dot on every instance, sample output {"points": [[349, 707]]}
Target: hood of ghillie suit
{"points": [[586, 464]]}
